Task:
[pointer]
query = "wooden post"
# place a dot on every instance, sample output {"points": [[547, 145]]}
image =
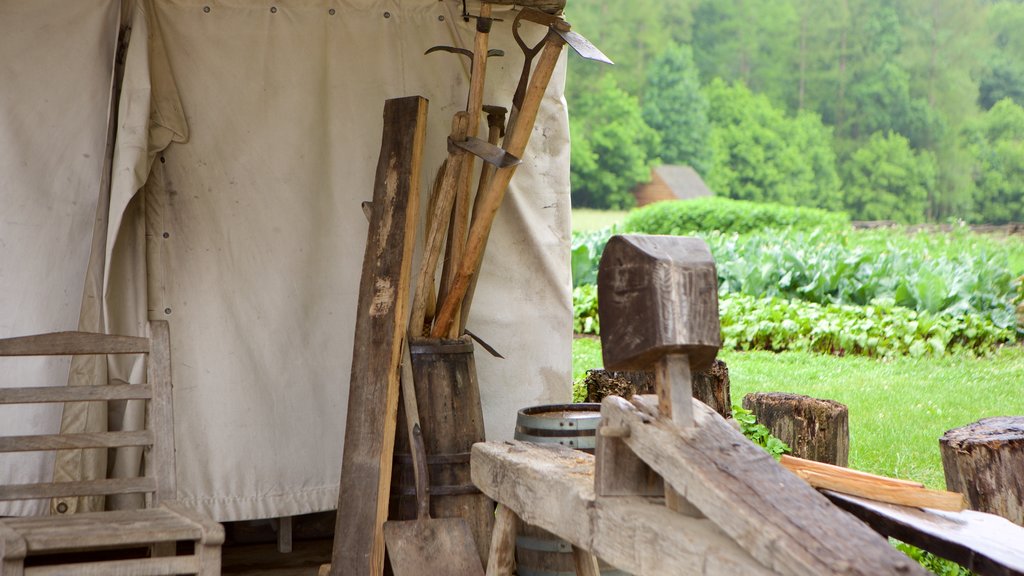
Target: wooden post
{"points": [[377, 346], [815, 429], [985, 462]]}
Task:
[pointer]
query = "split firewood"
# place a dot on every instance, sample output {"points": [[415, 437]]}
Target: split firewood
{"points": [[873, 487]]}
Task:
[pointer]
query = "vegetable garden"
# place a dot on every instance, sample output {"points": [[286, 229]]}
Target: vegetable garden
{"points": [[915, 332]]}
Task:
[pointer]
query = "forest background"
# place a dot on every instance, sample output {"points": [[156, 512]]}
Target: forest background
{"points": [[906, 110]]}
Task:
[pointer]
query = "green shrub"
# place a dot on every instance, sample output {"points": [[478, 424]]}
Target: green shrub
{"points": [[759, 433], [931, 562], [880, 329], [681, 217]]}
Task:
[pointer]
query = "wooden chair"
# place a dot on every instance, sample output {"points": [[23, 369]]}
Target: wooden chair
{"points": [[68, 544]]}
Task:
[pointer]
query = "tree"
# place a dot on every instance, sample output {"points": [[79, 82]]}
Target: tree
{"points": [[612, 147], [677, 109], [997, 144], [1003, 76], [887, 180], [761, 154]]}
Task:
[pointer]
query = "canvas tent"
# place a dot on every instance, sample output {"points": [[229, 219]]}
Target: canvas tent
{"points": [[244, 138]]}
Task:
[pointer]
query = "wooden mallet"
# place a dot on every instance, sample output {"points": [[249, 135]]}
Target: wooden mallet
{"points": [[658, 300]]}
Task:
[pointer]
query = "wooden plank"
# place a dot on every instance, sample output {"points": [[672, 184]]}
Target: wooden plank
{"points": [[101, 529], [550, 6], [772, 514], [795, 465], [77, 488], [380, 320], [984, 543], [161, 412], [70, 343], [878, 488], [165, 566], [502, 559], [33, 443], [35, 395], [552, 487]]}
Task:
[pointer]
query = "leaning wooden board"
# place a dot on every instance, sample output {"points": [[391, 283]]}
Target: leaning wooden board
{"points": [[377, 347], [986, 544]]}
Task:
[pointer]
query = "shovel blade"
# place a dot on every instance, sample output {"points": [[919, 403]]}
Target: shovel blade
{"points": [[488, 152], [432, 547], [583, 47]]}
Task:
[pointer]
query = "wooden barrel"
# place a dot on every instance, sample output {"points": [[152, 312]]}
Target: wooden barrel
{"points": [[538, 552], [572, 425], [451, 420]]}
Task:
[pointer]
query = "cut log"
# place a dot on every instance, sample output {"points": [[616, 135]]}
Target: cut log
{"points": [[553, 487], [377, 345], [985, 462], [772, 514], [710, 386], [815, 429]]}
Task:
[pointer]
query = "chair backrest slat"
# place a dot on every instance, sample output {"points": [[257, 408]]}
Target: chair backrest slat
{"points": [[72, 343], [159, 437], [75, 393], [83, 488], [42, 442]]}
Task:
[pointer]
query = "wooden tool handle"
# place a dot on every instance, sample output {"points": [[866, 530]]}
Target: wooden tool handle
{"points": [[438, 225], [518, 137], [474, 104]]}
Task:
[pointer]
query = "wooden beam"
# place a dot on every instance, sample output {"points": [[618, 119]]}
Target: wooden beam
{"points": [[773, 515], [552, 487], [380, 327], [984, 543]]}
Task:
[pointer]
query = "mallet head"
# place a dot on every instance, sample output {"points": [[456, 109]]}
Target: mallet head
{"points": [[657, 295]]}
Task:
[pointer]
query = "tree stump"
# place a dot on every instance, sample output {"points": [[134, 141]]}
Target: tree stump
{"points": [[984, 461], [815, 429], [710, 387]]}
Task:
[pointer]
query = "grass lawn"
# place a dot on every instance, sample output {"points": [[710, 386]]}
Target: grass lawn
{"points": [[589, 220], [898, 408]]}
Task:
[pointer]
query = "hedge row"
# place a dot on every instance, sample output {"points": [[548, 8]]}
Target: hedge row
{"points": [[683, 217]]}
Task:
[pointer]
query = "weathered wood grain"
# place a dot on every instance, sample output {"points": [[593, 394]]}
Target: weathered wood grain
{"points": [[658, 295], [150, 527], [553, 487], [445, 190], [166, 566], [101, 487], [550, 6], [984, 543], [34, 395], [40, 442], [377, 344], [68, 343], [877, 488], [985, 461], [814, 428], [502, 559], [773, 515]]}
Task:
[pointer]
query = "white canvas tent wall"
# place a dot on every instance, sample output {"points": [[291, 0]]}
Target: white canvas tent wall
{"points": [[247, 133]]}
